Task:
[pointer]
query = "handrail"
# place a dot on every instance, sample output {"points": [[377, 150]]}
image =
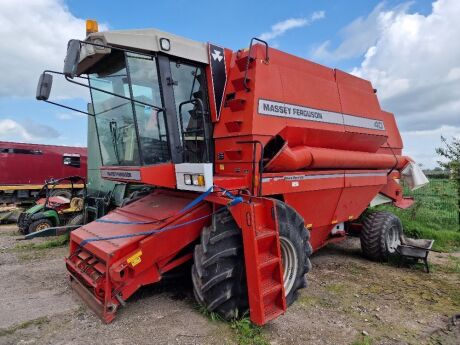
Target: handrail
{"points": [[245, 81], [261, 164]]}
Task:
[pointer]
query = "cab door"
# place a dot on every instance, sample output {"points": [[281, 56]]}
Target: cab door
{"points": [[185, 94]]}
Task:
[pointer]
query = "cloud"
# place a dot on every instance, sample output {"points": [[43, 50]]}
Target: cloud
{"points": [[413, 60], [360, 34], [415, 65], [28, 131], [39, 131], [69, 116], [280, 28], [11, 129], [33, 37], [421, 144], [64, 116]]}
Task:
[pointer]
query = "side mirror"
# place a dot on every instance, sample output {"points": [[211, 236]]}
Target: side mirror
{"points": [[72, 58], [44, 86]]}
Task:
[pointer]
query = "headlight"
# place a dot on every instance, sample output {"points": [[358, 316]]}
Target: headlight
{"points": [[188, 179], [198, 180]]}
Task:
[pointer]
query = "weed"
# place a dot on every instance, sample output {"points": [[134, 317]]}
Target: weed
{"points": [[363, 340], [247, 333], [14, 328], [209, 314]]}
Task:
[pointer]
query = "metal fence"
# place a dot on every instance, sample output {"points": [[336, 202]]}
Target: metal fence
{"points": [[438, 202]]}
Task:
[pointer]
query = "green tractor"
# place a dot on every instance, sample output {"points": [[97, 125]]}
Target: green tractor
{"points": [[53, 209]]}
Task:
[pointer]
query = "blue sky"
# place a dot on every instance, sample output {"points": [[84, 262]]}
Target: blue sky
{"points": [[368, 38]]}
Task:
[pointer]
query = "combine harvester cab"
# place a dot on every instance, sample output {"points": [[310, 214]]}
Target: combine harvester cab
{"points": [[257, 159]]}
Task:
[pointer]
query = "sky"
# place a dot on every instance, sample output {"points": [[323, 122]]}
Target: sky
{"points": [[409, 50]]}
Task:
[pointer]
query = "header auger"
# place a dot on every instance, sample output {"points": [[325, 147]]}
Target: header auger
{"points": [[257, 159]]}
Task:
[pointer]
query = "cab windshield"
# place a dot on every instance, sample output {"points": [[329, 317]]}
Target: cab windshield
{"points": [[118, 120]]}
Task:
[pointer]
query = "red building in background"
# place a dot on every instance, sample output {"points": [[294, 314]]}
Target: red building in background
{"points": [[25, 167]]}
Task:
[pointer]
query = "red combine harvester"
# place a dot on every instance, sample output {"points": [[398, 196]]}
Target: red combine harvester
{"points": [[257, 158], [25, 167]]}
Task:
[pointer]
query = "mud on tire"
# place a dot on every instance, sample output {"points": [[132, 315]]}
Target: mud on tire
{"points": [[381, 232]]}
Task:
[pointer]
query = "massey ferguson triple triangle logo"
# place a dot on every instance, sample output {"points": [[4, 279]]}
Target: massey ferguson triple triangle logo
{"points": [[216, 55], [219, 75]]}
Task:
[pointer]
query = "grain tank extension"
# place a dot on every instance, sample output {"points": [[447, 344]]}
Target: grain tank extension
{"points": [[258, 158]]}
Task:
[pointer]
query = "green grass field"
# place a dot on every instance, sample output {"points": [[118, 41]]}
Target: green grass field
{"points": [[435, 214]]}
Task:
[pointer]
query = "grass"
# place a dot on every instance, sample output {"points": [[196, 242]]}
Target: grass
{"points": [[336, 288], [14, 328], [452, 266], [434, 215], [9, 233], [53, 243], [363, 340], [245, 331]]}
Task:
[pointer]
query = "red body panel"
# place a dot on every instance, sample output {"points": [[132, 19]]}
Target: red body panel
{"points": [[33, 164], [307, 171]]}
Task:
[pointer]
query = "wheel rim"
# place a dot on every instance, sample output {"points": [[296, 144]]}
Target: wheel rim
{"points": [[392, 239], [42, 226], [290, 263]]}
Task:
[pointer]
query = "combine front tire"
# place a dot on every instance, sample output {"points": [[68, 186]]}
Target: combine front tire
{"points": [[380, 235], [295, 250], [218, 275]]}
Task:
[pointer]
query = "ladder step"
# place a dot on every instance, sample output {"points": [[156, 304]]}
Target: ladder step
{"points": [[267, 259], [272, 312], [238, 84], [234, 126], [261, 235], [236, 104], [264, 261], [242, 63], [270, 287]]}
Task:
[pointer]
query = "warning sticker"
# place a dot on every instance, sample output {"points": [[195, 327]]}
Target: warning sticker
{"points": [[135, 259]]}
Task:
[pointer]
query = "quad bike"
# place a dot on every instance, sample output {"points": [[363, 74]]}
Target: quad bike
{"points": [[54, 208]]}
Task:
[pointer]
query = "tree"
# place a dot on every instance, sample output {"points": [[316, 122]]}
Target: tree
{"points": [[451, 152]]}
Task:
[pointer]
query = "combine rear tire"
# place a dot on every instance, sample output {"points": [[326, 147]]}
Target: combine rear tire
{"points": [[380, 236], [218, 273], [40, 224]]}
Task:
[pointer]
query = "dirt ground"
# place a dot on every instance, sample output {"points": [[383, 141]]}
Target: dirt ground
{"points": [[348, 301]]}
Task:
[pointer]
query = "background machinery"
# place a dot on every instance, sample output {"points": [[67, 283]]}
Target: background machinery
{"points": [[256, 159], [58, 211], [18, 184], [55, 210]]}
